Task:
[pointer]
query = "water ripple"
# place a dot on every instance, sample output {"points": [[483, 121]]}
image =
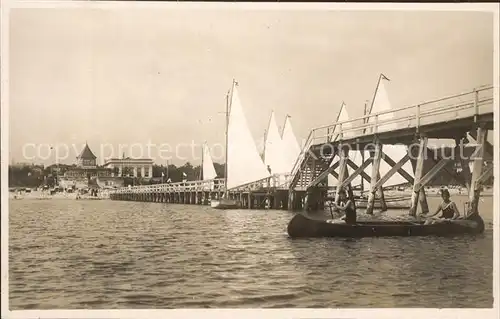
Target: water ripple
{"points": [[106, 255]]}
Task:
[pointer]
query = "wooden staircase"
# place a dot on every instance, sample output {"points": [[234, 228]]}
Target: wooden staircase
{"points": [[308, 167]]}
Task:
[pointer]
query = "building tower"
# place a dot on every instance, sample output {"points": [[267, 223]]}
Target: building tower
{"points": [[86, 159]]}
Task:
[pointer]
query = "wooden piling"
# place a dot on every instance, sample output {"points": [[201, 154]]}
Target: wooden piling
{"points": [[377, 158], [477, 177], [344, 157], [419, 169]]}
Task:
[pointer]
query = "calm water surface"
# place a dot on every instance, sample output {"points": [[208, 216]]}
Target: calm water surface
{"points": [[67, 254]]}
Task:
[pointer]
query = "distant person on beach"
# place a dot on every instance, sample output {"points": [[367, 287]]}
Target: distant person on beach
{"points": [[447, 208], [347, 206]]}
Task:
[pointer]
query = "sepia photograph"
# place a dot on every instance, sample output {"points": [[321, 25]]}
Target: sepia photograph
{"points": [[245, 156]]}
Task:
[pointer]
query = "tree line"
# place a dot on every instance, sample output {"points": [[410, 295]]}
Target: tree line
{"points": [[38, 175]]}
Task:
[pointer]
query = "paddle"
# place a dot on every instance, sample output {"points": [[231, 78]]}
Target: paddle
{"points": [[331, 209]]}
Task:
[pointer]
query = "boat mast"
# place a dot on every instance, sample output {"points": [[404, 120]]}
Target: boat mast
{"points": [[332, 130], [201, 166], [363, 153], [266, 131], [227, 125], [380, 77], [167, 170], [375, 93], [264, 147], [284, 125], [229, 96]]}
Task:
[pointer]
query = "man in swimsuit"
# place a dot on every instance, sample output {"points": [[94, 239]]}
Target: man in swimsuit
{"points": [[346, 205], [447, 208]]}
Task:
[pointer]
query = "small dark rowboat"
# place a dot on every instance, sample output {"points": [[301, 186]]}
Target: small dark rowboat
{"points": [[302, 226]]}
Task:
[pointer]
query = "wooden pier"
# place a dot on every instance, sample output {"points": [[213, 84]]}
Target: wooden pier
{"points": [[269, 193], [451, 117]]}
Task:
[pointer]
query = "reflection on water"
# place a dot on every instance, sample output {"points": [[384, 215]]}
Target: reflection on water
{"points": [[105, 254]]}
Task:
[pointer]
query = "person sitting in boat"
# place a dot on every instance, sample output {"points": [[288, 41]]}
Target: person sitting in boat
{"points": [[347, 206], [448, 208]]}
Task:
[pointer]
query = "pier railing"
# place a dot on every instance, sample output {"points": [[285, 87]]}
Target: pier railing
{"points": [[464, 105], [188, 186], [275, 181]]}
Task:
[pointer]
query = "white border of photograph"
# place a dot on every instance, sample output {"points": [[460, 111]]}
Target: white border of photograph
{"points": [[234, 313]]}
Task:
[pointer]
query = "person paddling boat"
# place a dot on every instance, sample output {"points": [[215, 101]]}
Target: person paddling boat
{"points": [[346, 206]]}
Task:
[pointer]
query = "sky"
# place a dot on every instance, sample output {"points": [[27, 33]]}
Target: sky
{"points": [[114, 77]]}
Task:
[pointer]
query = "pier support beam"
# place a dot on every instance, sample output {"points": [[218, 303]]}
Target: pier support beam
{"points": [[401, 171], [377, 157], [431, 174], [392, 171], [477, 171], [488, 148], [250, 200], [314, 196], [419, 170], [363, 174], [357, 172], [344, 157], [464, 164], [290, 200]]}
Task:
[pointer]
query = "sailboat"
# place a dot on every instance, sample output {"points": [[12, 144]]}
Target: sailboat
{"points": [[243, 162]]}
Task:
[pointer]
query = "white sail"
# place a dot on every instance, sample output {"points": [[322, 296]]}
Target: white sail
{"points": [[381, 103], [395, 152], [292, 148], [354, 155], [274, 152], [208, 165], [343, 116], [244, 164]]}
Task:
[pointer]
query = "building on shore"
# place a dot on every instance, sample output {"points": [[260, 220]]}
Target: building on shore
{"points": [[130, 167], [86, 166]]}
